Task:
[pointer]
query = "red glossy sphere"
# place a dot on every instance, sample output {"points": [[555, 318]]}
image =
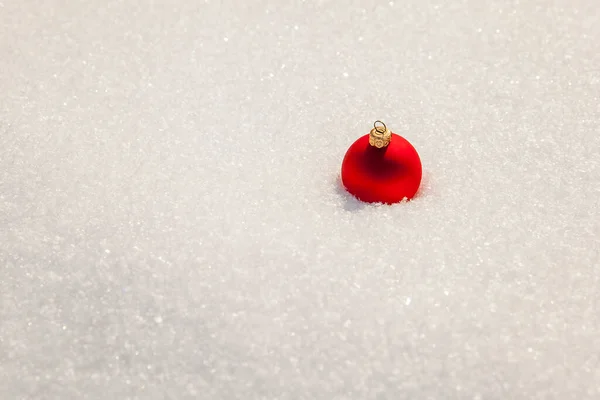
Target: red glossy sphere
{"points": [[386, 175]]}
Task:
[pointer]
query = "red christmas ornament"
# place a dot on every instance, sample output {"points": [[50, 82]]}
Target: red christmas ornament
{"points": [[382, 167]]}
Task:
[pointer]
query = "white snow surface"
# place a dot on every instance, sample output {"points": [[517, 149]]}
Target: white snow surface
{"points": [[172, 223]]}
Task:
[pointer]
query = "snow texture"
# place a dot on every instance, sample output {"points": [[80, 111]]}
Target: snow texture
{"points": [[172, 224]]}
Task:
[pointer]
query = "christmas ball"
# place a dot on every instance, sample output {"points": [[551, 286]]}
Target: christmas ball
{"points": [[382, 167]]}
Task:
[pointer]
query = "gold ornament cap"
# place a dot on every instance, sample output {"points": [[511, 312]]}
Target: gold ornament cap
{"points": [[380, 136]]}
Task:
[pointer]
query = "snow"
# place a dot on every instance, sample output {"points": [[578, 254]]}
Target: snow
{"points": [[172, 223]]}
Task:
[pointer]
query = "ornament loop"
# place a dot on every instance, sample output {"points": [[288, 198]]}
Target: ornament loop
{"points": [[379, 129]]}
